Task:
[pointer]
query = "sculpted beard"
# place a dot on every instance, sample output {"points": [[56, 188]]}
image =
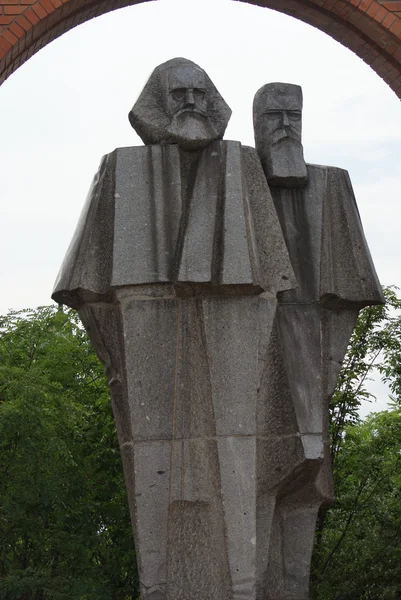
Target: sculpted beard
{"points": [[288, 149], [191, 128], [284, 161], [286, 158]]}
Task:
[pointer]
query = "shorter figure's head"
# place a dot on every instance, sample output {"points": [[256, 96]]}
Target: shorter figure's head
{"points": [[180, 105], [277, 118]]}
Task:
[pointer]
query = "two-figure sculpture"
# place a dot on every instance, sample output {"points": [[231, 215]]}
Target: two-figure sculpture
{"points": [[220, 285]]}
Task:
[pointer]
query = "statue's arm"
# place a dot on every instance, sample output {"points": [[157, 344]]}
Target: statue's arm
{"points": [[348, 275], [85, 272]]}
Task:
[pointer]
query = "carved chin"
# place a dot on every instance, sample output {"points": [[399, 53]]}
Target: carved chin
{"points": [[191, 131], [284, 164]]}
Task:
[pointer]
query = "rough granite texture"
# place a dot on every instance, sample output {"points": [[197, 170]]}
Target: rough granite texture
{"points": [[221, 312], [158, 214], [277, 116], [312, 327], [157, 116]]}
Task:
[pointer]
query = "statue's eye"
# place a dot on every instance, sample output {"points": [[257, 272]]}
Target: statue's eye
{"points": [[294, 115], [178, 94], [199, 94]]}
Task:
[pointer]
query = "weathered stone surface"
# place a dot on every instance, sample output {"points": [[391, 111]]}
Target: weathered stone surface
{"points": [[325, 239], [180, 307], [190, 384], [213, 224], [277, 110], [180, 105], [313, 324], [221, 310]]}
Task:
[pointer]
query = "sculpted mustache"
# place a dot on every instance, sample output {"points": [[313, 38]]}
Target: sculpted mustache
{"points": [[282, 134], [192, 111]]}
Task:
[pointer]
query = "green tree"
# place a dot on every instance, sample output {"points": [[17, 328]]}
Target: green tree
{"points": [[360, 552], [357, 550], [64, 524]]}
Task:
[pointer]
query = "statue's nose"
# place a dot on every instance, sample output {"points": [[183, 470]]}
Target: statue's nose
{"points": [[286, 122], [190, 97]]}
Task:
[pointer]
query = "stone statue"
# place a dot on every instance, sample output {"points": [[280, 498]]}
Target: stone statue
{"points": [[313, 324], [219, 398], [175, 268]]}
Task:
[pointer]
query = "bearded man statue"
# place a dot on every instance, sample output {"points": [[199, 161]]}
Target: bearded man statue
{"points": [[312, 328], [175, 268]]}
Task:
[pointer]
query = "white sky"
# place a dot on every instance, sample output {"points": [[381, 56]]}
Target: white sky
{"points": [[68, 105]]}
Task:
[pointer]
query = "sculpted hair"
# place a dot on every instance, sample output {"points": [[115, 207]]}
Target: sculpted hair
{"points": [[149, 115], [275, 89]]}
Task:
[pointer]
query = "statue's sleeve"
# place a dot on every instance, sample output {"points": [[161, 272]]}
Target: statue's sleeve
{"points": [[275, 267], [85, 273], [347, 274]]}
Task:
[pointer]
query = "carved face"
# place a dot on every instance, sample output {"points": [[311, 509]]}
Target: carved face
{"points": [[180, 105], [187, 91], [278, 134], [187, 105], [281, 118]]}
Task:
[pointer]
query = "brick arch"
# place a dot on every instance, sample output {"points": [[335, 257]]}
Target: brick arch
{"points": [[370, 28]]}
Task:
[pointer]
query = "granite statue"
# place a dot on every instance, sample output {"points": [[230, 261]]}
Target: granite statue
{"points": [[312, 328], [188, 279]]}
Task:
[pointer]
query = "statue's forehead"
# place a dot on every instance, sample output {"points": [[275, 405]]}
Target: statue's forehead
{"points": [[282, 102], [186, 76]]}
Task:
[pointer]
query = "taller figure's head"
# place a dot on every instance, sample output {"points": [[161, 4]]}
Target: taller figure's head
{"points": [[277, 120], [180, 105]]}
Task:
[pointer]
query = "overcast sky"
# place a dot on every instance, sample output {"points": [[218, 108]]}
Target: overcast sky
{"points": [[68, 105]]}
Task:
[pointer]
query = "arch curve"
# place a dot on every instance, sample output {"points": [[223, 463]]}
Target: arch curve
{"points": [[370, 28]]}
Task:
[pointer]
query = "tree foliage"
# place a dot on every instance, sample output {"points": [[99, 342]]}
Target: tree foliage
{"points": [[358, 549], [375, 346], [64, 524]]}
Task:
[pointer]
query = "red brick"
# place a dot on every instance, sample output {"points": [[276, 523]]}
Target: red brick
{"points": [[391, 76], [23, 21], [5, 44], [328, 5], [9, 36], [377, 21], [396, 27], [381, 14], [39, 10], [31, 16], [392, 6], [14, 10], [378, 62], [391, 47], [389, 20], [364, 4], [337, 8], [47, 5], [373, 10], [344, 10], [16, 30], [397, 54]]}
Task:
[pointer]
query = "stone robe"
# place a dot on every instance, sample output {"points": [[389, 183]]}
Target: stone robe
{"points": [[158, 215], [312, 328], [175, 268]]}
